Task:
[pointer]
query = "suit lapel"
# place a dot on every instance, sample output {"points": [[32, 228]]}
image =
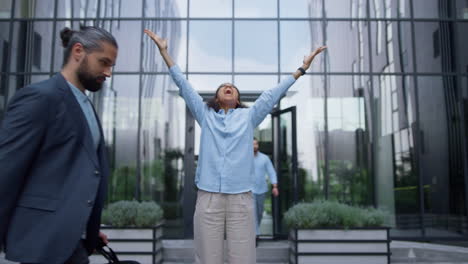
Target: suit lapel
{"points": [[75, 110]]}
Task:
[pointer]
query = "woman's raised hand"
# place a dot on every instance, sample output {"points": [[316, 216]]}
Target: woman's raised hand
{"points": [[160, 42], [308, 59], [162, 45]]}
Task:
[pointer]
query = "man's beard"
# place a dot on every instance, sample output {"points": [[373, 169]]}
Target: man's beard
{"points": [[88, 81]]}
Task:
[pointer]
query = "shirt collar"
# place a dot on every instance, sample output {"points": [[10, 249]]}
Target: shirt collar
{"points": [[221, 111], [78, 93]]}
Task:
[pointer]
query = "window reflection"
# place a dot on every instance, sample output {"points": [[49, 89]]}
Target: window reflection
{"points": [[428, 55], [125, 8], [426, 8], [301, 8], [5, 9], [255, 83], [255, 46], [210, 8], [129, 50], [210, 46], [176, 34], [208, 83], [299, 38], [349, 50], [172, 8], [348, 8], [259, 8]]}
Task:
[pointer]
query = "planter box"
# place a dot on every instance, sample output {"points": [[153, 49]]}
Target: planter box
{"points": [[133, 243], [337, 246]]}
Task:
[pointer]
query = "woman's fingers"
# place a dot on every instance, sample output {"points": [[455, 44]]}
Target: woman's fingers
{"points": [[308, 59], [162, 43], [319, 50]]}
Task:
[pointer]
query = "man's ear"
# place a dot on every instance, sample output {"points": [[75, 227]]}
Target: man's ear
{"points": [[78, 52]]}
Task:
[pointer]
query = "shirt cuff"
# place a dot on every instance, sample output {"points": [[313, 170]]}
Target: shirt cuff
{"points": [[174, 70]]}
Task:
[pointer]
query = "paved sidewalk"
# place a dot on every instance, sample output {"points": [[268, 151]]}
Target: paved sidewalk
{"points": [[403, 252]]}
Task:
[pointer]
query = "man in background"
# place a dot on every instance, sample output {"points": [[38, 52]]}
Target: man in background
{"points": [[262, 167]]}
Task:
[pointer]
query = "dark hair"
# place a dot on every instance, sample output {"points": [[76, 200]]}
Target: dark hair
{"points": [[214, 104], [90, 37]]}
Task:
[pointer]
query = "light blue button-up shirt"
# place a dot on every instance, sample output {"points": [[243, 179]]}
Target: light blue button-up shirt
{"points": [[262, 167], [88, 111], [225, 163]]}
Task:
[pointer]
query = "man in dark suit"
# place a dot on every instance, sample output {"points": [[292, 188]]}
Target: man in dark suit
{"points": [[53, 164]]}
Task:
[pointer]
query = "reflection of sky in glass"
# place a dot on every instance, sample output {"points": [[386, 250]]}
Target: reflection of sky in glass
{"points": [[164, 9], [210, 46], [129, 50], [342, 53], [299, 38], [300, 8], [257, 8], [208, 83], [343, 11], [252, 83], [210, 8], [256, 47]]}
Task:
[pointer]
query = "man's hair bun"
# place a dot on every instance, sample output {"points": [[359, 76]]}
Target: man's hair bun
{"points": [[65, 35]]}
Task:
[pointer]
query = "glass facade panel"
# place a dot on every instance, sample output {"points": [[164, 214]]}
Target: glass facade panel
{"points": [[37, 9], [210, 46], [129, 50], [210, 8], [255, 9], [57, 45], [86, 8], [461, 9], [307, 97], [252, 54], [41, 49], [176, 34], [4, 47], [444, 194], [248, 84], [124, 8], [120, 120], [173, 8], [430, 53], [349, 53], [348, 8], [461, 29], [208, 83], [427, 8], [301, 8], [292, 45], [348, 143], [5, 8]]}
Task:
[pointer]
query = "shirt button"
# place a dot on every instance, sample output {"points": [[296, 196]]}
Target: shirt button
{"points": [[90, 203], [96, 172]]}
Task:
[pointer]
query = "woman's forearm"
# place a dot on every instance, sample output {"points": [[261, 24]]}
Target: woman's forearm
{"points": [[167, 58]]}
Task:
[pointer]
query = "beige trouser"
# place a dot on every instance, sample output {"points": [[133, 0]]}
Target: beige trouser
{"points": [[216, 213]]}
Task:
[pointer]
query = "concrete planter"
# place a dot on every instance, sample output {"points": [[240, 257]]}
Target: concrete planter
{"points": [[334, 245], [134, 243]]}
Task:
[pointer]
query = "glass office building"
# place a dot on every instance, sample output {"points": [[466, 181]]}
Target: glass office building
{"points": [[379, 120]]}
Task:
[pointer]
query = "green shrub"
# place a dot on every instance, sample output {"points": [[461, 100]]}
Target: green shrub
{"points": [[132, 213], [332, 214]]}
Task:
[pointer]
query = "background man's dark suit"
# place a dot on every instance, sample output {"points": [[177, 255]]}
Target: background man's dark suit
{"points": [[52, 181]]}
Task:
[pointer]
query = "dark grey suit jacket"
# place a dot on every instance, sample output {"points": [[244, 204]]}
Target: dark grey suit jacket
{"points": [[52, 181]]}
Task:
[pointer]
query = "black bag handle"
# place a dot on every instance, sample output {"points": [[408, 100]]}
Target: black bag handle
{"points": [[107, 252]]}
